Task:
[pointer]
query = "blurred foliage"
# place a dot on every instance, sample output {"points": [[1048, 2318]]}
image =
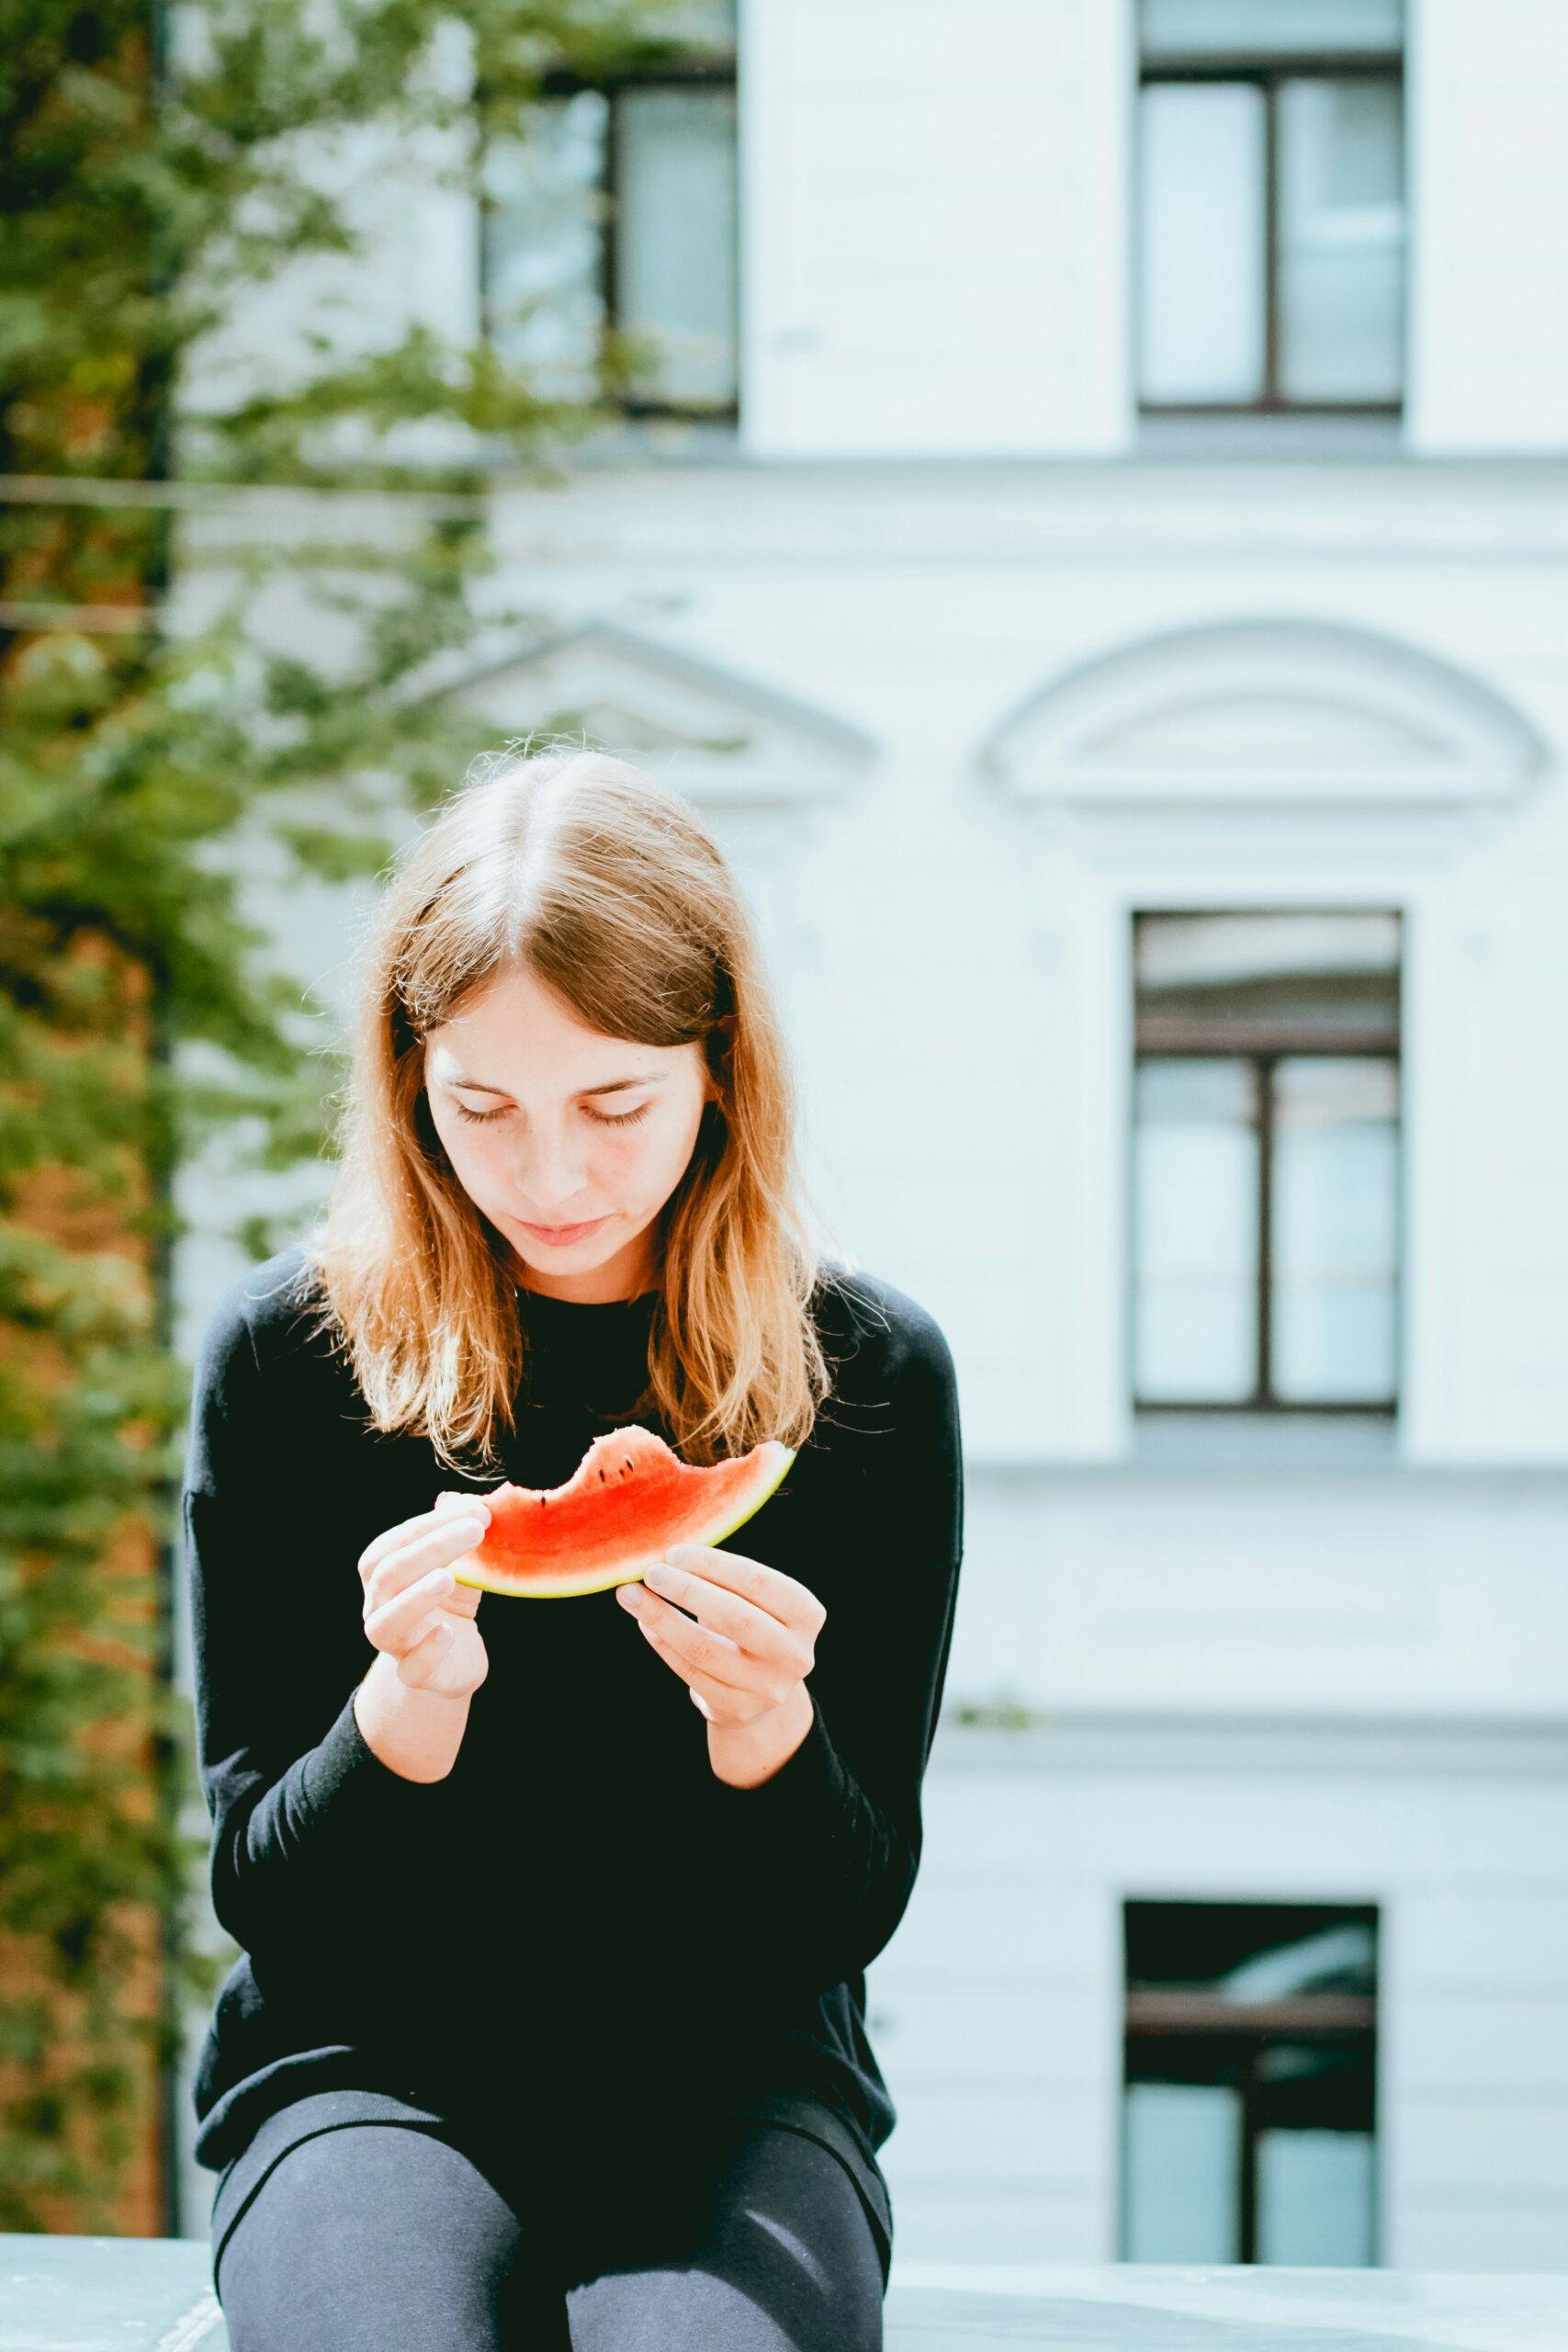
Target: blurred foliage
{"points": [[160, 171]]}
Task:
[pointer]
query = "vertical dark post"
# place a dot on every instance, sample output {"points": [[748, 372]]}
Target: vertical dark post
{"points": [[1247, 2251], [1263, 1074], [157, 401], [167, 1764]]}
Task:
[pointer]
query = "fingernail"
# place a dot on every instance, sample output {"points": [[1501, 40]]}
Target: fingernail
{"points": [[631, 1597]]}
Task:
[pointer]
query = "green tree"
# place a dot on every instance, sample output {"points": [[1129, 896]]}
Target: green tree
{"points": [[159, 171]]}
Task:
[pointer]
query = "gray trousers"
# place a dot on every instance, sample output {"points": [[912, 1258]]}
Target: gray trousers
{"points": [[378, 2237]]}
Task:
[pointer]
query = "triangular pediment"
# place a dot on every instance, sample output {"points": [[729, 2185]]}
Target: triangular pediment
{"points": [[722, 740], [1261, 711]]}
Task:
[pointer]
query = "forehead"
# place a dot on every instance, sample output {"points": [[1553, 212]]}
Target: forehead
{"points": [[519, 1018], [518, 1034], [513, 1041]]}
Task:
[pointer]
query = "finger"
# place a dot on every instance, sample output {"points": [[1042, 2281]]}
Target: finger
{"points": [[418, 1666], [445, 1542], [767, 1588], [395, 1625], [407, 1531], [704, 1658], [723, 1612], [719, 1703], [393, 1539]]}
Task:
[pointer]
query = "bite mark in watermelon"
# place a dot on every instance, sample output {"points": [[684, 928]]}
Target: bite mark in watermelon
{"points": [[627, 1501]]}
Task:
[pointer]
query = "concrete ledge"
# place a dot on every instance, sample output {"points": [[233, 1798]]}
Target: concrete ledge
{"points": [[79, 2294]]}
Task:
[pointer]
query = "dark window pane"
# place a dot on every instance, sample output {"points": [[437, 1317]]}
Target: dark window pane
{"points": [[542, 242], [1251, 1949], [1270, 27], [675, 257], [1341, 240], [1339, 1958], [1336, 1230], [1201, 232]]}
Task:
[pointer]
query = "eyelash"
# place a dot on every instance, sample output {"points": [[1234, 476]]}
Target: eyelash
{"points": [[600, 1118]]}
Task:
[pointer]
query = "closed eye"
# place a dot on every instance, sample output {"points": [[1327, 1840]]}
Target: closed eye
{"points": [[600, 1118]]}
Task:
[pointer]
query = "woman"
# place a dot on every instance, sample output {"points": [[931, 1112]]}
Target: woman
{"points": [[547, 2028]]}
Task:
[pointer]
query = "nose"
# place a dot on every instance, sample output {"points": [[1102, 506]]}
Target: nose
{"points": [[547, 1178]]}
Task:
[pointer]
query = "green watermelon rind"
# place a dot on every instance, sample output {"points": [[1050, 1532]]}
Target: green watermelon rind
{"points": [[470, 1571]]}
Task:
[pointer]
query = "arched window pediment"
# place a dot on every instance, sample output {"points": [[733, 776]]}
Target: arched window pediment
{"points": [[722, 740], [1265, 712]]}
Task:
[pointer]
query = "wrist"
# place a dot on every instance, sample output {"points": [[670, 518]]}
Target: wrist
{"points": [[416, 1733], [745, 1754], [383, 1674]]}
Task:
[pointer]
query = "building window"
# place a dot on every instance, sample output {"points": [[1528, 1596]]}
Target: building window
{"points": [[608, 251], [1270, 205], [1265, 1162], [1249, 2129]]}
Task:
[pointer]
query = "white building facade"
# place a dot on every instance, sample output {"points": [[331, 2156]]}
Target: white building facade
{"points": [[1156, 811]]}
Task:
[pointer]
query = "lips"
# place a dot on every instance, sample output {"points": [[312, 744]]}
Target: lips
{"points": [[561, 1235]]}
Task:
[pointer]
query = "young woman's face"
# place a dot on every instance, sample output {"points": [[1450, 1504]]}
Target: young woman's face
{"points": [[569, 1142]]}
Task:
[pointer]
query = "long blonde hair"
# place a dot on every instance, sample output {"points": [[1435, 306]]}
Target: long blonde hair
{"points": [[604, 885]]}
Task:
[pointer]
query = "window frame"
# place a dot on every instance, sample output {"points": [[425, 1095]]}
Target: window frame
{"points": [[1239, 2034], [675, 69], [1266, 74], [1304, 1043]]}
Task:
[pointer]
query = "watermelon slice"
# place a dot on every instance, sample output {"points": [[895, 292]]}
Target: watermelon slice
{"points": [[630, 1499]]}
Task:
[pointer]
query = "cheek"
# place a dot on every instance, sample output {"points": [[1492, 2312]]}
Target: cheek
{"points": [[632, 1161], [647, 1161]]}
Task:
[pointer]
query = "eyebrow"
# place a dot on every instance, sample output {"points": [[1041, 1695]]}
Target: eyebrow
{"points": [[611, 1086]]}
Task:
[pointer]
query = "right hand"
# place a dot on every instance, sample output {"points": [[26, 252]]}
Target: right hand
{"points": [[414, 1609]]}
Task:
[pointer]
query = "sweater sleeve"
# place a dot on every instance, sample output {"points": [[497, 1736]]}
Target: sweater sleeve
{"points": [[306, 1817], [829, 1847]]}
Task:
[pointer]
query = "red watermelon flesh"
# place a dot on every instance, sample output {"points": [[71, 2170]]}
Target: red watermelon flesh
{"points": [[630, 1499]]}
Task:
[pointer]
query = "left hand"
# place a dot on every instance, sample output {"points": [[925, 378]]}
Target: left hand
{"points": [[746, 1659]]}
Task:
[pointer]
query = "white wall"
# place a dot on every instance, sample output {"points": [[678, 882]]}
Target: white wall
{"points": [[1356, 1593], [935, 209], [1488, 344]]}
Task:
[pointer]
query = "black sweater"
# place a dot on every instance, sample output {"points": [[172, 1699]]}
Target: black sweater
{"points": [[581, 1917]]}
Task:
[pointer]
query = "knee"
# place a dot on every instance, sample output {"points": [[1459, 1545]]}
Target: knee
{"points": [[357, 2225]]}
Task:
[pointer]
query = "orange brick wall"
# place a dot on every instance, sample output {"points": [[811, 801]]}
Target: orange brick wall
{"points": [[58, 1202]]}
